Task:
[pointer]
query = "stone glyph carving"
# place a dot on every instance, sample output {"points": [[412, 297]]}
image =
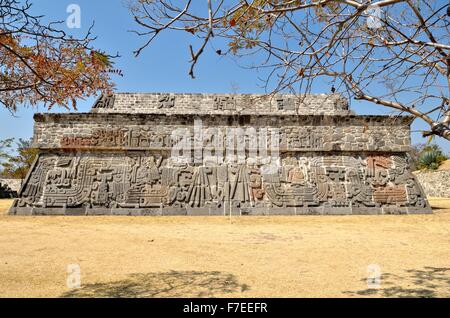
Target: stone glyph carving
{"points": [[105, 101], [166, 101], [285, 103], [224, 103]]}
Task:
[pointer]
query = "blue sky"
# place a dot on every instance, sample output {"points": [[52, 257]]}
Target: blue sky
{"points": [[162, 67]]}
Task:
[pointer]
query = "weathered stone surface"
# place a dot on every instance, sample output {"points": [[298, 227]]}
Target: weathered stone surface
{"points": [[435, 183], [129, 183], [117, 160], [153, 131], [13, 184], [231, 104]]}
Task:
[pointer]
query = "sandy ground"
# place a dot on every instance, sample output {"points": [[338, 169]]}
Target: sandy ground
{"points": [[305, 256], [445, 165]]}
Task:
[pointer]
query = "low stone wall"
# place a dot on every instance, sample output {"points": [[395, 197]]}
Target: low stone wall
{"points": [[13, 184], [435, 183]]}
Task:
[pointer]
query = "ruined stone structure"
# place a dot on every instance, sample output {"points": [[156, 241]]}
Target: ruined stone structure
{"points": [[13, 184], [118, 159], [6, 192], [435, 183]]}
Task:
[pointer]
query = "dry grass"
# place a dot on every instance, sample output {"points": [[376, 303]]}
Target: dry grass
{"points": [[4, 206], [213, 256]]}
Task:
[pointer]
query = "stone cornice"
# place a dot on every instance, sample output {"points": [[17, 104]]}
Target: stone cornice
{"points": [[313, 120]]}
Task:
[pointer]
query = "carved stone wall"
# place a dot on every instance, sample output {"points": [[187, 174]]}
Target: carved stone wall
{"points": [[109, 162], [145, 103], [297, 133], [146, 183]]}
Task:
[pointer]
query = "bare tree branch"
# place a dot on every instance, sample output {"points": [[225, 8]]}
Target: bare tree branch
{"points": [[392, 53]]}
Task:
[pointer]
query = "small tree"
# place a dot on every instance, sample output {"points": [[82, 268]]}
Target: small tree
{"points": [[5, 148], [18, 165], [393, 53], [428, 156], [40, 63]]}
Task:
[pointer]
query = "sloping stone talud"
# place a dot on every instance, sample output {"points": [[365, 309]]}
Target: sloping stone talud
{"points": [[118, 159]]}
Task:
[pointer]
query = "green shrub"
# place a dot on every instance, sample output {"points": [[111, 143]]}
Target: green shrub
{"points": [[431, 159]]}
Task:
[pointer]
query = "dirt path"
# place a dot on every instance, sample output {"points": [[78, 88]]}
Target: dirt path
{"points": [[305, 256]]}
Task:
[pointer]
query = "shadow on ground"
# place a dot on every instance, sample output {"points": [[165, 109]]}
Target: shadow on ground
{"points": [[428, 282], [170, 284]]}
